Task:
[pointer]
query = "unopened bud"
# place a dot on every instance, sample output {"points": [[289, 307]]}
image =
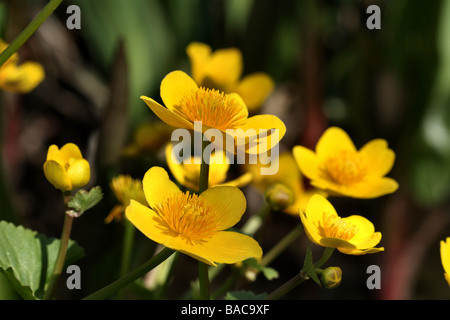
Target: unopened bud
{"points": [[279, 196], [331, 277]]}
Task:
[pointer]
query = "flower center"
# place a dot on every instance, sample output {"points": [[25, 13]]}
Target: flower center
{"points": [[213, 108], [335, 227], [346, 167], [187, 216]]}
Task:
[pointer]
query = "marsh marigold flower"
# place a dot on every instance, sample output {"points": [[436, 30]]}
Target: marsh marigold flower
{"points": [[19, 78], [187, 173], [125, 188], [350, 235], [222, 70], [338, 168], [65, 168], [289, 176], [193, 224], [187, 103], [445, 258]]}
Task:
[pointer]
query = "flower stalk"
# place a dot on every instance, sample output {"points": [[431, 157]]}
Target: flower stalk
{"points": [[131, 276], [203, 276], [299, 278], [29, 30], [61, 257]]}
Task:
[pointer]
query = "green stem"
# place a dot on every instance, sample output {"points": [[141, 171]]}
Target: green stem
{"points": [[203, 279], [204, 171], [326, 254], [162, 291], [29, 30], [131, 276], [288, 286], [282, 245], [128, 240], [61, 257], [203, 276], [299, 278]]}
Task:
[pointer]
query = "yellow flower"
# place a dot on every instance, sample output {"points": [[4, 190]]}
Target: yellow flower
{"points": [[288, 175], [340, 169], [187, 103], [193, 224], [66, 169], [188, 173], [351, 235], [445, 258], [125, 188], [19, 78], [222, 69]]}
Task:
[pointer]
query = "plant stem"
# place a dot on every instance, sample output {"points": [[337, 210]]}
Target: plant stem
{"points": [[299, 278], [203, 276], [29, 30], [131, 276], [61, 257], [287, 287], [128, 240], [282, 245]]}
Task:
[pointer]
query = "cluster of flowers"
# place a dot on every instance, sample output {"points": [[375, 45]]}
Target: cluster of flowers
{"points": [[196, 222]]}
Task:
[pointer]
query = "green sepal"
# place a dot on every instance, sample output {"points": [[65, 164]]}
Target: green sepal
{"points": [[309, 268], [84, 200]]}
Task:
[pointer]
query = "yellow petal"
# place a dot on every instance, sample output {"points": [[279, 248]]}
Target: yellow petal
{"points": [[225, 67], [261, 132], [57, 176], [28, 76], [158, 186], [167, 115], [254, 89], [175, 167], [370, 188], [332, 141], [445, 256], [71, 150], [54, 154], [336, 243], [229, 205], [240, 181], [312, 231], [175, 86], [146, 221], [199, 54], [378, 157], [307, 161], [316, 207], [365, 229], [79, 173], [25, 78], [360, 251], [228, 247]]}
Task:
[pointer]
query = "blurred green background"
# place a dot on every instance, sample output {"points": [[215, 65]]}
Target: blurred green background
{"points": [[329, 68]]}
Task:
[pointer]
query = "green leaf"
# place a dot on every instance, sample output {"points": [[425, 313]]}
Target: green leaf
{"points": [[244, 295], [308, 267], [27, 259], [84, 200]]}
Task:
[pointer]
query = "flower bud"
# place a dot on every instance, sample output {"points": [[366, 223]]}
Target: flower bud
{"points": [[331, 277], [65, 168], [279, 196]]}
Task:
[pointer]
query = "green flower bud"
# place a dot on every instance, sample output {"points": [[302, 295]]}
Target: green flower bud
{"points": [[279, 196], [331, 277]]}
